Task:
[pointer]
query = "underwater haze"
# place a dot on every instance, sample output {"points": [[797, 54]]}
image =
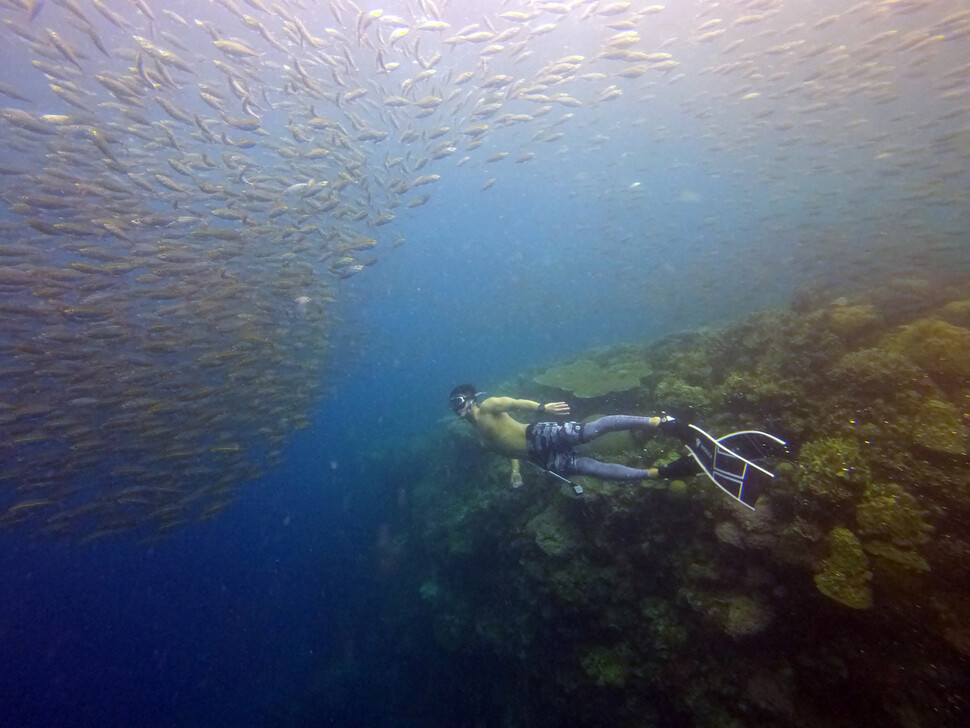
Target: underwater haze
{"points": [[247, 247]]}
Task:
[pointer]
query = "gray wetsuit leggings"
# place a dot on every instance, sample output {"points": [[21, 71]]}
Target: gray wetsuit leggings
{"points": [[550, 446]]}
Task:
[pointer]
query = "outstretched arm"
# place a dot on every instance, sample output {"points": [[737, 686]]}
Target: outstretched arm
{"points": [[494, 405]]}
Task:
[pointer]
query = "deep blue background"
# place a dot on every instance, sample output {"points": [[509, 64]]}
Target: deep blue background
{"points": [[662, 212], [214, 626]]}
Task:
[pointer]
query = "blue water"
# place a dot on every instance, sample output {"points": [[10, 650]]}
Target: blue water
{"points": [[213, 627], [273, 613], [240, 621]]}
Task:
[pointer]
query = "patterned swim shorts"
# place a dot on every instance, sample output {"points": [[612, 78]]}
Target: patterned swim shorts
{"points": [[550, 445]]}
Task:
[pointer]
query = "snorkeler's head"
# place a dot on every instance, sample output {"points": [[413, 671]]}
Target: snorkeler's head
{"points": [[461, 398]]}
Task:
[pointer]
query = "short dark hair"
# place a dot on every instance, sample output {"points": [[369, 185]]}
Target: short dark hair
{"points": [[463, 390]]}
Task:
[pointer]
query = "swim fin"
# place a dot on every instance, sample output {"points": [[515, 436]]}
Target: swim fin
{"points": [[731, 471]]}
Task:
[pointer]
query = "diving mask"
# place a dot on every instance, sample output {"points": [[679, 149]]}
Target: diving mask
{"points": [[461, 403]]}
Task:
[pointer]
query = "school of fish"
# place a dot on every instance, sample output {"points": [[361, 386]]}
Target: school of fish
{"points": [[183, 193]]}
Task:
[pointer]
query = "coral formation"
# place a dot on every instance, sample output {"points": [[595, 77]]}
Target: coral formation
{"points": [[851, 322], [679, 395], [934, 345], [606, 666], [845, 574], [554, 534], [938, 425], [733, 613], [833, 468], [594, 376], [893, 526], [957, 313]]}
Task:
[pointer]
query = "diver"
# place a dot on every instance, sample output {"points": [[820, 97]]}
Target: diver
{"points": [[550, 445]]}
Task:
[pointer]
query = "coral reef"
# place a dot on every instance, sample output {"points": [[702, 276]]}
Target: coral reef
{"points": [[732, 613], [934, 345], [957, 313], [845, 574], [606, 665], [681, 396], [833, 468], [554, 534], [893, 526], [840, 601]]}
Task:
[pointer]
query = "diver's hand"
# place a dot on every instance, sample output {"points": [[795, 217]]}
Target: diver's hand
{"points": [[516, 480], [559, 409]]}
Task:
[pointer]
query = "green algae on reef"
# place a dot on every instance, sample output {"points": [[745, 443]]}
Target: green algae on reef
{"points": [[841, 601]]}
